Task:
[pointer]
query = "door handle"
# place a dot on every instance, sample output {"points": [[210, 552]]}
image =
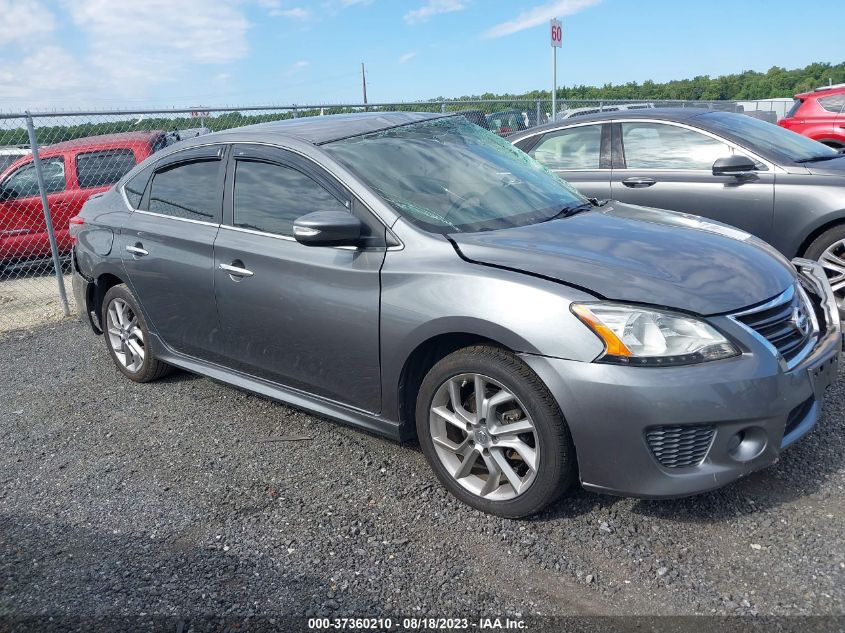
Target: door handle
{"points": [[137, 250], [639, 182], [236, 271]]}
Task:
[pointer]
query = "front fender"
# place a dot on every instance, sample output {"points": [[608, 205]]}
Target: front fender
{"points": [[523, 313]]}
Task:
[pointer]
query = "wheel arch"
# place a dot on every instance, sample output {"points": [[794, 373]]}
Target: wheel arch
{"points": [[103, 282], [829, 223], [418, 363]]}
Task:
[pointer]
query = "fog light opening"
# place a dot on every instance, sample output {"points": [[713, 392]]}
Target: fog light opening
{"points": [[747, 444]]}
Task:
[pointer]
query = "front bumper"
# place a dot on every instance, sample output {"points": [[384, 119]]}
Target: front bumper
{"points": [[610, 409]]}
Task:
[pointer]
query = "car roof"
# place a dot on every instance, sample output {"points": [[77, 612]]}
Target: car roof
{"points": [[318, 130], [824, 91], [665, 114], [103, 140]]}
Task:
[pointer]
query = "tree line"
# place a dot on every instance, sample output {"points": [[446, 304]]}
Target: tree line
{"points": [[746, 86]]}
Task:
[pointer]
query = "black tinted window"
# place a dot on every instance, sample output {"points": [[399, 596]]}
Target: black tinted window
{"points": [[134, 188], [23, 183], [187, 190], [833, 103], [270, 197], [100, 169]]}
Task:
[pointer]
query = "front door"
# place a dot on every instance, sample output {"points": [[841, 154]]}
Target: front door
{"points": [[23, 229], [668, 166], [303, 316], [167, 246]]}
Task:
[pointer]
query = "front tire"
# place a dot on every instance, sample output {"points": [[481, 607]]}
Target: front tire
{"points": [[127, 337], [829, 250], [493, 434]]}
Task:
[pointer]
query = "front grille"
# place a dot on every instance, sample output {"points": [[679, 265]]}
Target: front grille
{"points": [[788, 323], [679, 446]]}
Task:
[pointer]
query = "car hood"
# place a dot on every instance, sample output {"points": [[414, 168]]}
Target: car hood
{"points": [[832, 167], [637, 254]]}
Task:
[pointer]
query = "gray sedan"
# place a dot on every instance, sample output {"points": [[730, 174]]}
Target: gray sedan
{"points": [[780, 186], [420, 277]]}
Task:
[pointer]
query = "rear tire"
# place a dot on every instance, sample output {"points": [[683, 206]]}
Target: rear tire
{"points": [[127, 337], [521, 452]]}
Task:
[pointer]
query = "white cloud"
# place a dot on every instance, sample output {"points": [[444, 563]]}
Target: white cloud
{"points": [[277, 9], [403, 59], [21, 21], [433, 7], [297, 67], [50, 78], [127, 50], [539, 15]]}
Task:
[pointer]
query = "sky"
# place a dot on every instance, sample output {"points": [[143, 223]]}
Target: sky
{"points": [[66, 54]]}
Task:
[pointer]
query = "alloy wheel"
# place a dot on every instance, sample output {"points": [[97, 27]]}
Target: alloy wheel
{"points": [[125, 335], [833, 262], [484, 437]]}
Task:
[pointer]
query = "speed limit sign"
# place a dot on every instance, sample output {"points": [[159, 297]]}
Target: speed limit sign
{"points": [[557, 34]]}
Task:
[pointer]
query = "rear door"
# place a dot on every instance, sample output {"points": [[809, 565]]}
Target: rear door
{"points": [[670, 166], [167, 246], [303, 316], [23, 229], [579, 154]]}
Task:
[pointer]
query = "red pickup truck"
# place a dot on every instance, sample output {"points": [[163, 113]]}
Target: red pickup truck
{"points": [[73, 172]]}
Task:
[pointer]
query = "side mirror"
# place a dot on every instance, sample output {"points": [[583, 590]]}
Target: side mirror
{"points": [[327, 228], [736, 165]]}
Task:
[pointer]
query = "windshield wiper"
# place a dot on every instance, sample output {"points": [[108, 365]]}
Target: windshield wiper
{"points": [[818, 159], [568, 212]]}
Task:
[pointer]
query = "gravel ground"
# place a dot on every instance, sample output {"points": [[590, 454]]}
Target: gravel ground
{"points": [[177, 498]]}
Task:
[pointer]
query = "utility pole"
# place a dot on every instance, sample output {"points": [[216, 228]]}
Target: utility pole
{"points": [[364, 84]]}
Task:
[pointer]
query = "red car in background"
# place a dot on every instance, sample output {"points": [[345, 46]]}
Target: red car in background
{"points": [[73, 171], [820, 115]]}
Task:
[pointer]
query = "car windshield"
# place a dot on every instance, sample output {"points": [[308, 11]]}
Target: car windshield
{"points": [[447, 175], [767, 138]]}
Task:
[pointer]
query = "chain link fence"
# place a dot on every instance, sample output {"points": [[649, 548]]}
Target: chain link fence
{"points": [[80, 154]]}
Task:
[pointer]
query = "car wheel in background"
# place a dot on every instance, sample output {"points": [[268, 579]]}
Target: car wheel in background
{"points": [[127, 337], [493, 434], [829, 250]]}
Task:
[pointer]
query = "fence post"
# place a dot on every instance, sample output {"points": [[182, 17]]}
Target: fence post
{"points": [[539, 120], [442, 107], [42, 188]]}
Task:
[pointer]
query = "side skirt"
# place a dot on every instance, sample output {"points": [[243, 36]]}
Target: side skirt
{"points": [[293, 397]]}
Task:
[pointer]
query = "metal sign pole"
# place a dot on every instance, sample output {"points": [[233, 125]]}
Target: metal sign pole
{"points": [[556, 40], [51, 235], [554, 82]]}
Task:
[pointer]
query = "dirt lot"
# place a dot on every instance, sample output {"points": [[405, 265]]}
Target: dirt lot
{"points": [[27, 301], [177, 498]]}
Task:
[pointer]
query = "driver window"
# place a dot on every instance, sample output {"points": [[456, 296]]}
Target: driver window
{"points": [[660, 146], [269, 197], [23, 182]]}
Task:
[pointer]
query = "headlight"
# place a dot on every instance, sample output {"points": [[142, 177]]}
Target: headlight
{"points": [[637, 336]]}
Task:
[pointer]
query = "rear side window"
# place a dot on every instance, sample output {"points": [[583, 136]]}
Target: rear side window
{"points": [[101, 169], [833, 103], [794, 109], [187, 190], [136, 185], [23, 183], [575, 148], [269, 197]]}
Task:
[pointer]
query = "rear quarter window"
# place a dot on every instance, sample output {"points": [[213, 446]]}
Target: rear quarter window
{"points": [[833, 103]]}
